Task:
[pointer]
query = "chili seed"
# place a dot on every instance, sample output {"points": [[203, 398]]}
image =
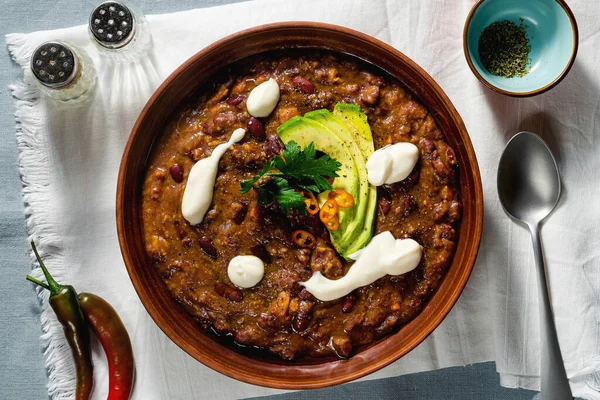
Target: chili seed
{"points": [[176, 171], [304, 85], [257, 129], [208, 247]]}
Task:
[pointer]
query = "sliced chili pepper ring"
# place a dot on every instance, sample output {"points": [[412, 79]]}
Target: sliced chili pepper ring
{"points": [[312, 205], [334, 224], [303, 239], [328, 211], [343, 199]]}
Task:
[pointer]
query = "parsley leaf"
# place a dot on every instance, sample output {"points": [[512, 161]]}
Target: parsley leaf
{"points": [[297, 169]]}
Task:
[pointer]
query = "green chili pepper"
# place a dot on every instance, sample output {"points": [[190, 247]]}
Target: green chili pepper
{"points": [[65, 303]]}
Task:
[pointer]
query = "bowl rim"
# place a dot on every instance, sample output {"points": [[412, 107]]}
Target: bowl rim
{"points": [[442, 308], [535, 92]]}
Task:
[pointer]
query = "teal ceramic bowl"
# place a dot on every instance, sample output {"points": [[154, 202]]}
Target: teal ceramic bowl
{"points": [[553, 36]]}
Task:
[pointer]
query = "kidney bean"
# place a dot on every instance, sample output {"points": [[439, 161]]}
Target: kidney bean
{"points": [[348, 303], [440, 210], [182, 233], [450, 156], [370, 95], [235, 99], [384, 205], [256, 129], [441, 168], [211, 215], [227, 291], [415, 303], [305, 295], [235, 295], [186, 241], [208, 247], [409, 204], [347, 306], [341, 345], [427, 146], [412, 178], [304, 85], [274, 145], [454, 211], [221, 289], [301, 321], [241, 211], [176, 171], [261, 252]]}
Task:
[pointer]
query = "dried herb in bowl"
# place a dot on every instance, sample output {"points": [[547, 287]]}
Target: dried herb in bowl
{"points": [[504, 49]]}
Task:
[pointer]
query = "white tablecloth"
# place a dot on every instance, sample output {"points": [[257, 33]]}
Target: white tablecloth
{"points": [[70, 159]]}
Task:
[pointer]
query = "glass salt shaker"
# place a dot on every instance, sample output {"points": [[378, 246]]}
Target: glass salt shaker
{"points": [[63, 71], [119, 30]]}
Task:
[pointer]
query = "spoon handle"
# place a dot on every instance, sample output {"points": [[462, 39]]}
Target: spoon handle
{"points": [[554, 382]]}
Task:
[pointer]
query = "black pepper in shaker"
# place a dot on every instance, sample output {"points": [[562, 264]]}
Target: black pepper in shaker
{"points": [[63, 71], [119, 30]]}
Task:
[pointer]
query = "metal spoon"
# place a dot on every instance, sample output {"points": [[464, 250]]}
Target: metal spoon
{"points": [[529, 189]]}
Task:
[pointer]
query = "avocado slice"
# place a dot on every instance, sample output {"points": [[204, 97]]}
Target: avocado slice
{"points": [[333, 123], [356, 121], [305, 130]]}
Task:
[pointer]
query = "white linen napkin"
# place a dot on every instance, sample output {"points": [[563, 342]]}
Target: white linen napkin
{"points": [[70, 158]]}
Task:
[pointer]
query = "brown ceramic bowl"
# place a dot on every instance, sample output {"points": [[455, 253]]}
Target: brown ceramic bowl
{"points": [[257, 367]]}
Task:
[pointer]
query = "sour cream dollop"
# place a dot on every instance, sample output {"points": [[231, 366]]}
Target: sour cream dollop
{"points": [[384, 255], [201, 181], [392, 164], [245, 271], [263, 99]]}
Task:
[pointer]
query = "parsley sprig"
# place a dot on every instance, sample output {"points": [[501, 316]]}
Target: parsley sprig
{"points": [[296, 169]]}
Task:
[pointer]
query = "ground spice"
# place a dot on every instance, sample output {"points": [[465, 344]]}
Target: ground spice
{"points": [[504, 49]]}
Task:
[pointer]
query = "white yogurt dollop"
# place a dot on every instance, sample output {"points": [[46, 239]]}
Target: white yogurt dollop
{"points": [[392, 164], [201, 181], [384, 255], [245, 271], [263, 99]]}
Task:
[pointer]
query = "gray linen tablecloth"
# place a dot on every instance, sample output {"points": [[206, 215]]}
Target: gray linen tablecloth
{"points": [[22, 364]]}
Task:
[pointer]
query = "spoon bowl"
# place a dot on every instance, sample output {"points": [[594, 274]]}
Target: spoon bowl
{"points": [[528, 179], [529, 189]]}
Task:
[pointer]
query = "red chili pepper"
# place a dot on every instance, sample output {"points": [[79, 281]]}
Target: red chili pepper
{"points": [[108, 327]]}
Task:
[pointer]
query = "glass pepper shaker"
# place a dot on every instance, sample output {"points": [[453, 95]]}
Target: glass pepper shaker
{"points": [[119, 30], [63, 72]]}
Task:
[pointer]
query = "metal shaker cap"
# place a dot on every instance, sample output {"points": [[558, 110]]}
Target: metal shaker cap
{"points": [[54, 64], [112, 24]]}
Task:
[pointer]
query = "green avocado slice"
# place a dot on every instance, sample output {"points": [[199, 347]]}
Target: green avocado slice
{"points": [[333, 123], [304, 131], [356, 121]]}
